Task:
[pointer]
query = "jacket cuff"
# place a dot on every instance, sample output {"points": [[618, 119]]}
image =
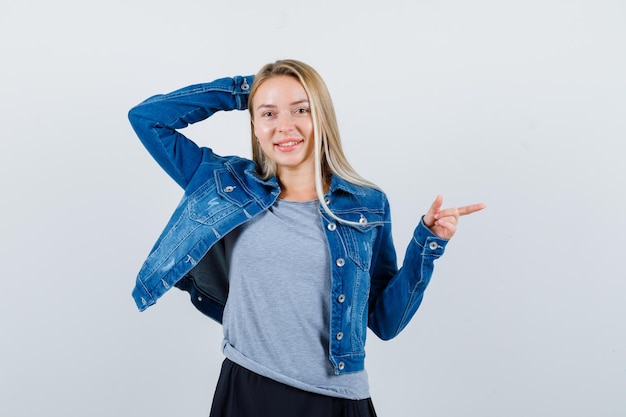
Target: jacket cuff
{"points": [[241, 90], [431, 244]]}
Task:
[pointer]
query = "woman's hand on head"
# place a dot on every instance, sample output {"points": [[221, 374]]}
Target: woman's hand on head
{"points": [[444, 222]]}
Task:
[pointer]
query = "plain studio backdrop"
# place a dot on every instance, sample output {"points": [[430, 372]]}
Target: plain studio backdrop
{"points": [[521, 105]]}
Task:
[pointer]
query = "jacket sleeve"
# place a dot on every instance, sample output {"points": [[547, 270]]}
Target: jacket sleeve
{"points": [[157, 119], [396, 294]]}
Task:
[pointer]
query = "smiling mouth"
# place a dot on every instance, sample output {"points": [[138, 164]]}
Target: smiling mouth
{"points": [[288, 144]]}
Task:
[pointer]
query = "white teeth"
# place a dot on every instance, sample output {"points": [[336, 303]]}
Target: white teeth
{"points": [[294, 143]]}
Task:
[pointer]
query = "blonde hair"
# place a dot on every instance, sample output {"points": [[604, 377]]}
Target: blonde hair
{"points": [[329, 156]]}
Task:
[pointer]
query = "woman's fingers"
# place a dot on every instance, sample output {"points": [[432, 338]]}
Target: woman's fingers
{"points": [[472, 208], [443, 222], [429, 217], [459, 211]]}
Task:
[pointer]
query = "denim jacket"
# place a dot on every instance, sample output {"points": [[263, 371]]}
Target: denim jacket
{"points": [[221, 193]]}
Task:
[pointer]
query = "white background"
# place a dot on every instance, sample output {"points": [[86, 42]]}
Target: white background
{"points": [[521, 105]]}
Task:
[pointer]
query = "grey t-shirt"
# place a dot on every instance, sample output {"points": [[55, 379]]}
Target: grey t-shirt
{"points": [[276, 318]]}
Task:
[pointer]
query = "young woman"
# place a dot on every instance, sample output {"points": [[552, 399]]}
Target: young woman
{"points": [[291, 251]]}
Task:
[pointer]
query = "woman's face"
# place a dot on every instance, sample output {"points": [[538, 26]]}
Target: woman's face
{"points": [[283, 124]]}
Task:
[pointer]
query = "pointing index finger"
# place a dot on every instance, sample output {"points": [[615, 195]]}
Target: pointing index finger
{"points": [[472, 208]]}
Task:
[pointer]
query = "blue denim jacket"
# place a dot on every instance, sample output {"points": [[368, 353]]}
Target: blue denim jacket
{"points": [[221, 193]]}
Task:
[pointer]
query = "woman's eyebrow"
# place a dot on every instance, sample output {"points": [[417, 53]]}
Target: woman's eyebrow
{"points": [[273, 106], [266, 106]]}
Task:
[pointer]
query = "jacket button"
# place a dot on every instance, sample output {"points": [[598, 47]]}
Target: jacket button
{"points": [[341, 365], [433, 245], [340, 262], [341, 298], [229, 189], [363, 220], [331, 227], [339, 336]]}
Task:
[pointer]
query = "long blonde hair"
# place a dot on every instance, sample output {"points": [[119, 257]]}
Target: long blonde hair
{"points": [[329, 156]]}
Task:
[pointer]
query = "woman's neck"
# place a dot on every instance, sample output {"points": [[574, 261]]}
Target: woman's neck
{"points": [[298, 196], [297, 187], [296, 191]]}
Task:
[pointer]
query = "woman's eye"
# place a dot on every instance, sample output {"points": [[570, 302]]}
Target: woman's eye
{"points": [[302, 110], [268, 114]]}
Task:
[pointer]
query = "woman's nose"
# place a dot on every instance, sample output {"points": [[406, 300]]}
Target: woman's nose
{"points": [[285, 122]]}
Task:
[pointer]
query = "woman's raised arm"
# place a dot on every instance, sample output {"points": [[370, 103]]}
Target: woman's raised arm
{"points": [[157, 120]]}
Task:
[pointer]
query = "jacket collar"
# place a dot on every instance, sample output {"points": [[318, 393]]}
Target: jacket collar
{"points": [[249, 168], [339, 184], [336, 183]]}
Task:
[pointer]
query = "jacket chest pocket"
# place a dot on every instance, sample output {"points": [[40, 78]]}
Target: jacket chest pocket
{"points": [[208, 205], [359, 240]]}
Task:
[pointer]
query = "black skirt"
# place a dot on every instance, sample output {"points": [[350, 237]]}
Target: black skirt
{"points": [[243, 393]]}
